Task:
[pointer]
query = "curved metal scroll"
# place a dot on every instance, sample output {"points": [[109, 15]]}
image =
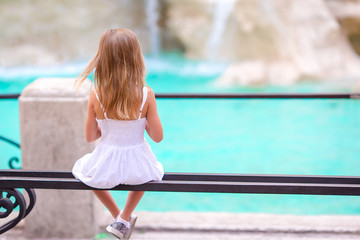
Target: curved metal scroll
{"points": [[11, 199], [32, 200], [13, 159]]}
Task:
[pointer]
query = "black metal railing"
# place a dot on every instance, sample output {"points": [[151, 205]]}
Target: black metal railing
{"points": [[354, 95], [261, 95], [9, 96], [10, 180]]}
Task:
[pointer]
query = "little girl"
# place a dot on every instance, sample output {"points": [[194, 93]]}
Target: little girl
{"points": [[120, 108]]}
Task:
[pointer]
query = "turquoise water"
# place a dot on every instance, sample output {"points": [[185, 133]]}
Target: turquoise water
{"points": [[315, 137]]}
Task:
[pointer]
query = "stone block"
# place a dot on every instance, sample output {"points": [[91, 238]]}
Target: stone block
{"points": [[52, 121]]}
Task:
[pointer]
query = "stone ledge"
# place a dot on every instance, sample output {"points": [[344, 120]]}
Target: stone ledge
{"points": [[243, 222], [50, 88], [166, 225]]}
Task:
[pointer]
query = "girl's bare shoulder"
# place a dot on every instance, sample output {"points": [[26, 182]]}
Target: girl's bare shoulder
{"points": [[93, 100], [92, 95], [92, 92], [151, 94], [149, 89]]}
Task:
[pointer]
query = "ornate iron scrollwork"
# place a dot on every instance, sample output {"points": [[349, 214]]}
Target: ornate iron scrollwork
{"points": [[13, 159], [11, 199]]}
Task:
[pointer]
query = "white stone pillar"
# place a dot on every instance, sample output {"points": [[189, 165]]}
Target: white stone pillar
{"points": [[52, 120]]}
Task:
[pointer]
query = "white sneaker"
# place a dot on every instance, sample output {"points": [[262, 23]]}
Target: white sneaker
{"points": [[119, 229], [128, 233]]}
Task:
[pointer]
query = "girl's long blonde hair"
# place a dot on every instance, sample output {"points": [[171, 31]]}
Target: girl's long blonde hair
{"points": [[119, 74]]}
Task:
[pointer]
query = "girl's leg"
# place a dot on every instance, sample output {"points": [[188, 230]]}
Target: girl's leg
{"points": [[105, 197], [132, 201]]}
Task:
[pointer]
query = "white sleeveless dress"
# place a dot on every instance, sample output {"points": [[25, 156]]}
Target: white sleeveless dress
{"points": [[122, 155]]}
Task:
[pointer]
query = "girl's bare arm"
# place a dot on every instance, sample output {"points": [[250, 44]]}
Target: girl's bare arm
{"points": [[92, 130], [153, 123]]}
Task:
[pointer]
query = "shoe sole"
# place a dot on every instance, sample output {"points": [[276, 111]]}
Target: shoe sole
{"points": [[133, 219]]}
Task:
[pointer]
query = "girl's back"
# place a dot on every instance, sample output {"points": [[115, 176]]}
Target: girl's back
{"points": [[122, 133]]}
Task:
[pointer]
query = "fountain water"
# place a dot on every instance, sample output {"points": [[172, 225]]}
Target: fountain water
{"points": [[222, 9], [152, 13]]}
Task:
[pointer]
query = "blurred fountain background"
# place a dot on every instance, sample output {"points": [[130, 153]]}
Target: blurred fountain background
{"points": [[152, 16], [263, 41]]}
